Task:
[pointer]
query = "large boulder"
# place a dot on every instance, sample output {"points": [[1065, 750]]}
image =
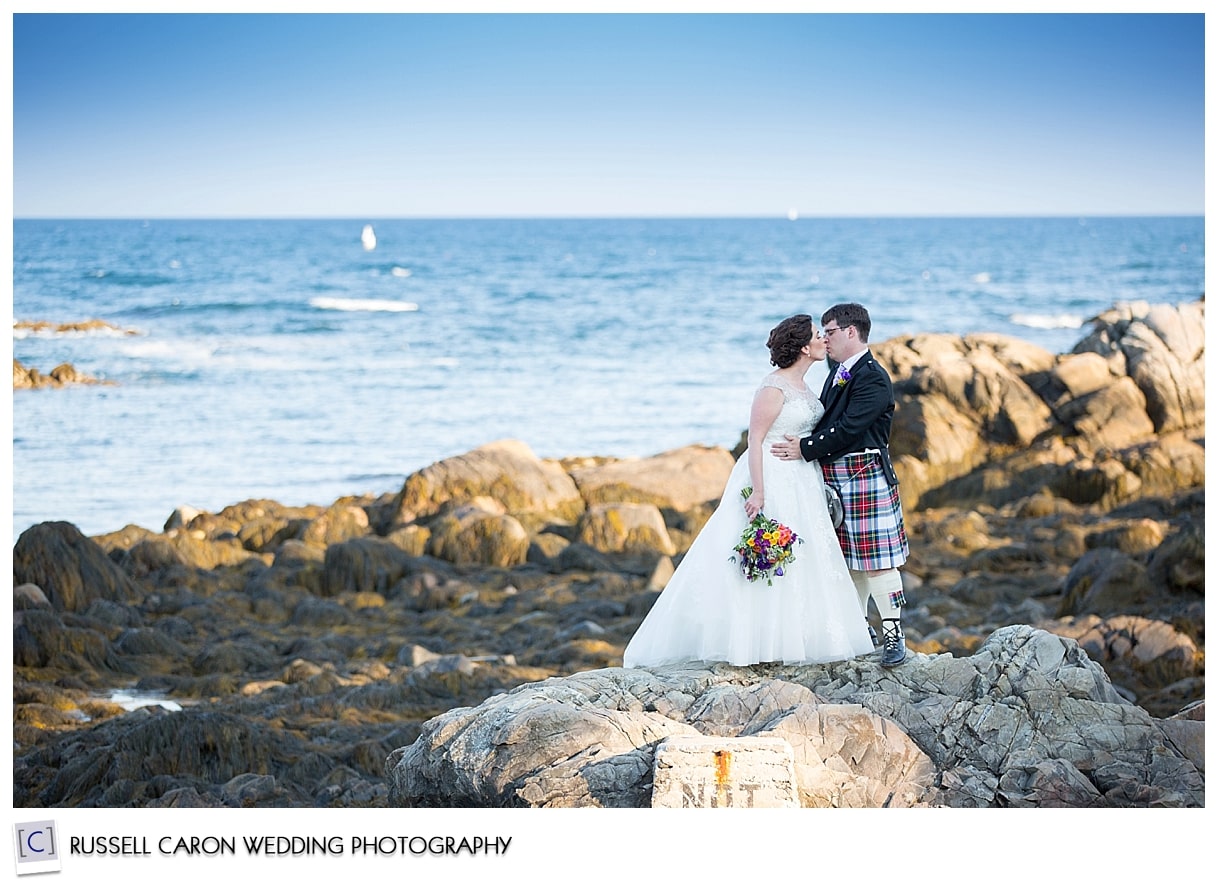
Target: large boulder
{"points": [[1162, 349], [1027, 720], [71, 569], [680, 479], [1111, 417], [987, 419], [531, 489], [624, 527], [368, 564], [959, 401], [479, 532]]}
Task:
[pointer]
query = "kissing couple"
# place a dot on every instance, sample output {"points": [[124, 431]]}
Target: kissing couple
{"points": [[800, 441]]}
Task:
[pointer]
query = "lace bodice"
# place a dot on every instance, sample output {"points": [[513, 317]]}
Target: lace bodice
{"points": [[801, 410]]}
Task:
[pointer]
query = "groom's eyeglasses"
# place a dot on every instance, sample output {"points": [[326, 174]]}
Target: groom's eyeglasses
{"points": [[829, 332]]}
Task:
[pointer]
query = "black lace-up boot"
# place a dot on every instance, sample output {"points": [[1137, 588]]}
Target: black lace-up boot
{"points": [[894, 643]]}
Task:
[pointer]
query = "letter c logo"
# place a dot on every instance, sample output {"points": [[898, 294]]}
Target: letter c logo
{"points": [[29, 841]]}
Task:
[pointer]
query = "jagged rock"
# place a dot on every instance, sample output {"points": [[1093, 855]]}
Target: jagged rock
{"points": [[981, 418], [847, 756], [1162, 349], [317, 637], [1073, 376], [1029, 719], [957, 397], [71, 570], [1110, 418], [1144, 654]]}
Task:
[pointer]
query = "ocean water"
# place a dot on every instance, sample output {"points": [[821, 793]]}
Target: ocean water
{"points": [[282, 359]]}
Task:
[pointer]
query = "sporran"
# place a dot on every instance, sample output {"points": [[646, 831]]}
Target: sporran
{"points": [[833, 500]]}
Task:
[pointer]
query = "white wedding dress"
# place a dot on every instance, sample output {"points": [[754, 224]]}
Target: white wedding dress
{"points": [[709, 611]]}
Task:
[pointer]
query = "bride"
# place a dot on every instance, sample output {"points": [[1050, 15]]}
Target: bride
{"points": [[709, 611]]}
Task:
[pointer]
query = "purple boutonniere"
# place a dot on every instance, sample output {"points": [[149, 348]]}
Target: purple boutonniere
{"points": [[842, 377]]}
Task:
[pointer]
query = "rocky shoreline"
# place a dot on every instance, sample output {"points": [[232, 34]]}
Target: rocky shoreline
{"points": [[60, 376], [309, 646], [25, 377]]}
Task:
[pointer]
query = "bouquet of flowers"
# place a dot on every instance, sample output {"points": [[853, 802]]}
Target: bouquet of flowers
{"points": [[765, 547]]}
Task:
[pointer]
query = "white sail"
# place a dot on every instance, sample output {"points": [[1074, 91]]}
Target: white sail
{"points": [[368, 237]]}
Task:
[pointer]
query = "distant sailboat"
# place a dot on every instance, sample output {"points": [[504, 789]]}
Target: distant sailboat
{"points": [[368, 237]]}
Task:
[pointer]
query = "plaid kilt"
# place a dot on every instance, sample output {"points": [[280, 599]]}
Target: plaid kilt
{"points": [[872, 534]]}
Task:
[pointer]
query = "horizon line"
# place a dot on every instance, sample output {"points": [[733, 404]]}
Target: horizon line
{"points": [[600, 217]]}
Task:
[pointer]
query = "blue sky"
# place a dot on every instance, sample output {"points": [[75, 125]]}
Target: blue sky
{"points": [[419, 115]]}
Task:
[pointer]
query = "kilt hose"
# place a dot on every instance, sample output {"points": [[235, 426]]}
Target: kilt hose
{"points": [[872, 534]]}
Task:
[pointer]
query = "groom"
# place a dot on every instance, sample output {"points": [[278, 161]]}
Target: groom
{"points": [[851, 444]]}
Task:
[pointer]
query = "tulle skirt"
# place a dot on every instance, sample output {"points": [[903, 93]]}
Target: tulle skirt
{"points": [[709, 611]]}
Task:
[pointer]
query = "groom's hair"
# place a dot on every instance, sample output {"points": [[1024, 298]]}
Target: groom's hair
{"points": [[846, 314]]}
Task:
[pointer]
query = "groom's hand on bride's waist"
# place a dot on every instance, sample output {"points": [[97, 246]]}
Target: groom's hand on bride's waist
{"points": [[788, 449]]}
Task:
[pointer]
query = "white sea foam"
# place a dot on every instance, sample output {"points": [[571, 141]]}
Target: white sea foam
{"points": [[355, 304], [1047, 322], [981, 278], [169, 350], [401, 272]]}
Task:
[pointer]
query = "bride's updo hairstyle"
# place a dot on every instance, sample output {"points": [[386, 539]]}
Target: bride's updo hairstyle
{"points": [[788, 337]]}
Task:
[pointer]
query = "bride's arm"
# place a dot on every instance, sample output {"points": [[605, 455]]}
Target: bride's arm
{"points": [[767, 404]]}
